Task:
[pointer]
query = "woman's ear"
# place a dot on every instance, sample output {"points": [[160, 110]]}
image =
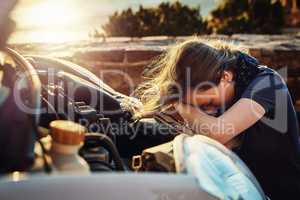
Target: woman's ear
{"points": [[227, 76]]}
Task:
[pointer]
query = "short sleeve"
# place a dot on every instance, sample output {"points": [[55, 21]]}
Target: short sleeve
{"points": [[263, 90]]}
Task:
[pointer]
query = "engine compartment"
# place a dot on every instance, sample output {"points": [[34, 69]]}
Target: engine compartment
{"points": [[70, 92]]}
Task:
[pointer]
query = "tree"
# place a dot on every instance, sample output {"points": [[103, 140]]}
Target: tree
{"points": [[172, 19], [149, 21], [123, 24], [177, 19], [267, 17], [247, 16]]}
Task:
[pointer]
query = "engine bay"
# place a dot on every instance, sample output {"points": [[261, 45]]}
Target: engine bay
{"points": [[69, 92]]}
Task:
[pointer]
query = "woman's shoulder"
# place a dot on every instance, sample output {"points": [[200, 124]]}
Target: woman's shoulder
{"points": [[267, 89], [271, 76], [266, 70], [265, 83]]}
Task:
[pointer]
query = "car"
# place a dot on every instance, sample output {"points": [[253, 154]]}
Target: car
{"points": [[128, 159]]}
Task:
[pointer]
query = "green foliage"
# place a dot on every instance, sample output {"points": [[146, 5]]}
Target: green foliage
{"points": [[175, 19], [172, 19], [247, 16], [124, 24]]}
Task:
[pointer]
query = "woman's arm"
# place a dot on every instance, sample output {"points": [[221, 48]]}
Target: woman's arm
{"points": [[238, 118]]}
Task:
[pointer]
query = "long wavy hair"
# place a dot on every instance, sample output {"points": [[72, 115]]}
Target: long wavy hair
{"points": [[182, 66]]}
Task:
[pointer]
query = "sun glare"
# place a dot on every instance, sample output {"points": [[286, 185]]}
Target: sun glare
{"points": [[48, 21], [51, 15]]}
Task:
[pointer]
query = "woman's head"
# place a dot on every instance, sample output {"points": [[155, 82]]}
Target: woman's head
{"points": [[198, 72]]}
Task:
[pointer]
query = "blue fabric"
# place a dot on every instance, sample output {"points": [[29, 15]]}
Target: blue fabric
{"points": [[219, 171]]}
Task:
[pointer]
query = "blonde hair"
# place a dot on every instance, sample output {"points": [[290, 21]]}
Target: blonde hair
{"points": [[202, 57]]}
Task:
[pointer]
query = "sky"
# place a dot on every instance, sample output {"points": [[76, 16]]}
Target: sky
{"points": [[58, 17]]}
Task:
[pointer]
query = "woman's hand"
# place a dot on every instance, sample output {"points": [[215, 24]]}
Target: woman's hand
{"points": [[188, 112], [194, 117]]}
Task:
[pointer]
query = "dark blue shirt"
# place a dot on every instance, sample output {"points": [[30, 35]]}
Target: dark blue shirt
{"points": [[271, 147]]}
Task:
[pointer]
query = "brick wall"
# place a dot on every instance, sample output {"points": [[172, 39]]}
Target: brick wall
{"points": [[278, 52], [131, 56], [118, 68]]}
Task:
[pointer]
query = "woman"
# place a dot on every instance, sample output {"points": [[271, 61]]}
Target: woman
{"points": [[223, 92]]}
